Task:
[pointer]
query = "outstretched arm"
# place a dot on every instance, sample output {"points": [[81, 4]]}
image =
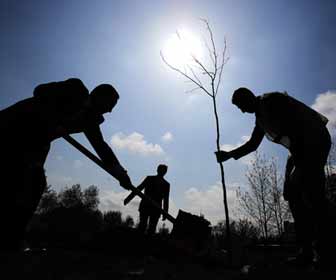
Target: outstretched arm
{"points": [[106, 154], [290, 165], [250, 146]]}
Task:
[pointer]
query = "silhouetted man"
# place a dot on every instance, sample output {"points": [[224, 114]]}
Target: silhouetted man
{"points": [[287, 121], [157, 188], [28, 127]]}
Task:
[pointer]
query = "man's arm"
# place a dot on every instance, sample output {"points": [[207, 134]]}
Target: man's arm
{"points": [[290, 165], [106, 154], [96, 139], [250, 146]]}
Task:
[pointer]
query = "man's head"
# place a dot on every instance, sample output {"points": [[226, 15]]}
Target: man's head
{"points": [[244, 99], [103, 98], [162, 169]]}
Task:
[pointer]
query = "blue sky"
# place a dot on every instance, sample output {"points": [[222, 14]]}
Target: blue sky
{"points": [[273, 46]]}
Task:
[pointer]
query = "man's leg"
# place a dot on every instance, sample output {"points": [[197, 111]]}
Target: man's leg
{"points": [[303, 228], [319, 202], [11, 233], [153, 221], [316, 194], [143, 217], [302, 214]]}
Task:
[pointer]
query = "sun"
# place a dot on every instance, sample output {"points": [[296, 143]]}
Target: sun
{"points": [[180, 47]]}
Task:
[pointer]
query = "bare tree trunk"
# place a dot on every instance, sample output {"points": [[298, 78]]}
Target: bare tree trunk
{"points": [[213, 73], [264, 209], [226, 208]]}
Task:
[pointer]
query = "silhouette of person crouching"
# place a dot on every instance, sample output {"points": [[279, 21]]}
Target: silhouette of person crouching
{"points": [[28, 127], [302, 130]]}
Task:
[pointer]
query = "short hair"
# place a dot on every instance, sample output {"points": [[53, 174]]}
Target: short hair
{"points": [[162, 168], [105, 92], [240, 94]]}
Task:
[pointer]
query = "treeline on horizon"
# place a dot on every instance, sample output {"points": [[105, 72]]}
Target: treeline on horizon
{"points": [[71, 218]]}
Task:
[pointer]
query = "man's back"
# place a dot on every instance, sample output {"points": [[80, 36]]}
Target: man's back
{"points": [[283, 115], [157, 188], [64, 96]]}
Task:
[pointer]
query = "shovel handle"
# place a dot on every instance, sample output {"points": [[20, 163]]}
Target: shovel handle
{"points": [[100, 163]]}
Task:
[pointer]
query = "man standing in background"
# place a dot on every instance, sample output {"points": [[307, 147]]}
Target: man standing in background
{"points": [[157, 188]]}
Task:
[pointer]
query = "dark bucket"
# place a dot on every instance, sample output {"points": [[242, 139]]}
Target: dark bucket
{"points": [[191, 232]]}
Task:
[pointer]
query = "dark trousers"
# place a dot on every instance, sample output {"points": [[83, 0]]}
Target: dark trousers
{"points": [[22, 188], [307, 198], [309, 212], [148, 221]]}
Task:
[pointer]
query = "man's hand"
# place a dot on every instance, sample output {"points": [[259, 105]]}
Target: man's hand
{"points": [[121, 175], [125, 181], [222, 156]]}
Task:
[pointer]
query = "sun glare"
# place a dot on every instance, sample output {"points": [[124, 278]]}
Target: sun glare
{"points": [[180, 47]]}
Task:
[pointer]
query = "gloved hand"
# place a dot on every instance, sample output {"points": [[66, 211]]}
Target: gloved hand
{"points": [[222, 156], [121, 175], [125, 181]]}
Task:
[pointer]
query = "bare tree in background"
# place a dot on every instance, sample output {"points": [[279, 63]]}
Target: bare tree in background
{"points": [[331, 168], [279, 207], [263, 202], [207, 78], [331, 162]]}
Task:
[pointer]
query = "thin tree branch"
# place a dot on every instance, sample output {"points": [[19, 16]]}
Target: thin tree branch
{"points": [[212, 41], [202, 66], [192, 90], [195, 76], [209, 51], [185, 75], [221, 67]]}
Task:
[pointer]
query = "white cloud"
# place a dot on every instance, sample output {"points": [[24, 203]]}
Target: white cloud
{"points": [[111, 200], [209, 202], [78, 164], [325, 104], [167, 137], [136, 143], [59, 180], [228, 147]]}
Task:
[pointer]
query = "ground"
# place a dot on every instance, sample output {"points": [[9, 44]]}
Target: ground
{"points": [[69, 264], [85, 265]]}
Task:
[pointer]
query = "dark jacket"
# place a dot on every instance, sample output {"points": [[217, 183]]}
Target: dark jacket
{"points": [[286, 121], [157, 188], [31, 124]]}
